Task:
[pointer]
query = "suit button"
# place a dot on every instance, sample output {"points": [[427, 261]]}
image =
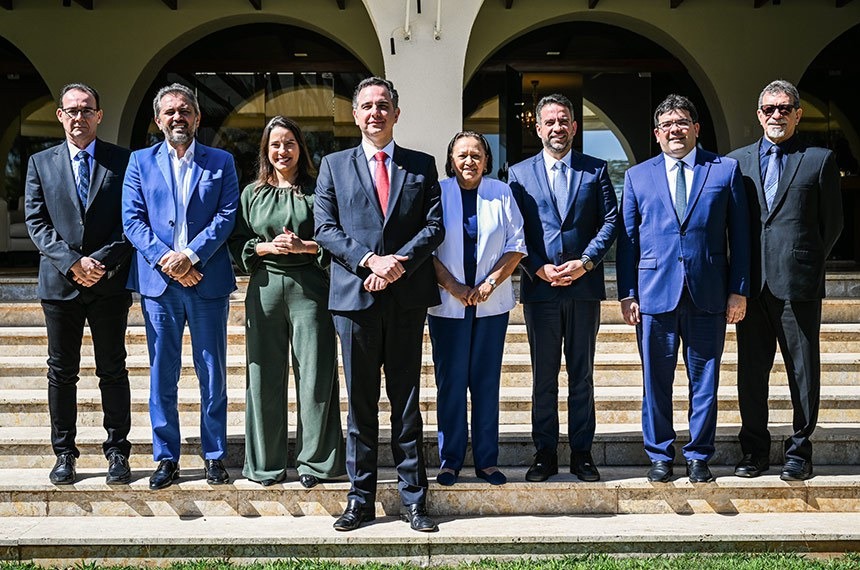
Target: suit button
{"points": [[683, 234], [680, 259]]}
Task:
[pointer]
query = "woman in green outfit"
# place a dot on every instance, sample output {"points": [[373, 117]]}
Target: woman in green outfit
{"points": [[286, 317]]}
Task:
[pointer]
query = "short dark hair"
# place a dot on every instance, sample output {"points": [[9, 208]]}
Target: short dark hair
{"points": [[781, 86], [449, 161], [554, 99], [674, 102], [265, 170], [175, 89], [381, 82], [78, 87]]}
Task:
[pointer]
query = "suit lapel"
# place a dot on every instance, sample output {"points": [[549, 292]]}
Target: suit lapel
{"points": [[661, 185], [792, 162], [573, 182], [543, 183], [700, 174], [63, 164], [99, 171], [163, 159], [197, 168], [362, 171], [398, 178]]}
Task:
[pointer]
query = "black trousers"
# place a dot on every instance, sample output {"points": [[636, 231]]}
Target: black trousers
{"points": [[794, 326], [390, 338], [108, 319]]}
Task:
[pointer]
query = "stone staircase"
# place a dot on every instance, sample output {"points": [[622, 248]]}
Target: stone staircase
{"points": [[622, 513]]}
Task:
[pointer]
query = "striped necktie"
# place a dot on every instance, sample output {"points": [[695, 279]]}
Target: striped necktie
{"points": [[771, 177], [83, 185]]}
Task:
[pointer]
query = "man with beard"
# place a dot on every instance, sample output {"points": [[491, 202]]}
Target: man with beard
{"points": [[569, 209], [178, 208], [796, 216]]}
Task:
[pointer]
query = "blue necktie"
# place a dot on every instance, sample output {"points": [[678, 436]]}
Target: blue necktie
{"points": [[559, 187], [680, 191], [771, 177], [83, 185]]}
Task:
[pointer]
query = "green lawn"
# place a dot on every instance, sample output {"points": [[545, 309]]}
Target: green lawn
{"points": [[682, 562]]}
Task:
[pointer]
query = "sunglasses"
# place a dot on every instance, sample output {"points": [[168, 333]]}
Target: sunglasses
{"points": [[769, 110]]}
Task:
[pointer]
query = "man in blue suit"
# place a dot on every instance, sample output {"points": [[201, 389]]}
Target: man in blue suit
{"points": [[683, 272], [570, 212], [178, 208]]}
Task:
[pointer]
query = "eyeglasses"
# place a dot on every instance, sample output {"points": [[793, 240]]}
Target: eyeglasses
{"points": [[682, 124], [769, 110], [85, 112]]}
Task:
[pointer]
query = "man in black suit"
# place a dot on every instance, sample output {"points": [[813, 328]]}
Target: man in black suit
{"points": [[796, 212], [72, 204], [378, 211]]}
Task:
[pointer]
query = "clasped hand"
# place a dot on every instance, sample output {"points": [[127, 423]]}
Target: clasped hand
{"points": [[386, 269], [178, 267], [87, 271], [562, 275], [470, 296]]}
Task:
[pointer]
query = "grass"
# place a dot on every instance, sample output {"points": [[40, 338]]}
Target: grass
{"points": [[597, 562]]}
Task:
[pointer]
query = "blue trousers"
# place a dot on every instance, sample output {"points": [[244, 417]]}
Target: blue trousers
{"points": [[660, 336], [165, 318], [467, 354]]}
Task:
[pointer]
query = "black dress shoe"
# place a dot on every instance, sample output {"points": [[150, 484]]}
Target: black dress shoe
{"points": [[417, 517], [545, 466], [354, 514], [660, 472], [698, 471], [119, 473], [165, 474], [796, 470], [752, 465], [308, 480], [215, 472], [63, 472], [582, 465]]}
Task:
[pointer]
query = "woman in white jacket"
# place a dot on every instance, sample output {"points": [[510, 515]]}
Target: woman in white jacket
{"points": [[483, 244]]}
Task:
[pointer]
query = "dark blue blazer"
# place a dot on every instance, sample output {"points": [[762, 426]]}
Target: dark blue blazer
{"points": [[588, 228], [149, 213], [349, 223], [709, 249]]}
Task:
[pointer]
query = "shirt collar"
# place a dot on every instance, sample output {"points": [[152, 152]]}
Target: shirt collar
{"points": [[549, 161], [370, 150], [689, 160], [73, 150], [785, 146], [189, 154]]}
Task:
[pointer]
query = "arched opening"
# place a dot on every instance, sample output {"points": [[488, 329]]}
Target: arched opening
{"points": [[28, 124], [831, 119], [614, 77], [247, 74]]}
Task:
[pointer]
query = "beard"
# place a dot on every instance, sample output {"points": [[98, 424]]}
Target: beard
{"points": [[556, 145], [179, 138], [776, 131]]}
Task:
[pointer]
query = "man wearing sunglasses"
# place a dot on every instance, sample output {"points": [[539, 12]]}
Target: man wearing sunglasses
{"points": [[796, 216]]}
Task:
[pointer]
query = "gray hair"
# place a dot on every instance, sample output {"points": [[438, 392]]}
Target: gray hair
{"points": [[555, 99], [780, 86], [175, 89], [381, 82]]}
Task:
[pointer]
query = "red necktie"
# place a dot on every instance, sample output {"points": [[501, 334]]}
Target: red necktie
{"points": [[382, 184]]}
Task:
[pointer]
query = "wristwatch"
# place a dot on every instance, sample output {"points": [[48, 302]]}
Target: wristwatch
{"points": [[587, 264], [492, 282]]}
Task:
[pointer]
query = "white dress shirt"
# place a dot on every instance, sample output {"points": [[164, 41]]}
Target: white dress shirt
{"points": [[370, 154], [672, 172], [73, 155], [181, 193], [549, 164]]}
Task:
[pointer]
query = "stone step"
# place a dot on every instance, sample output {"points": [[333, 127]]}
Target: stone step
{"points": [[29, 313], [614, 445], [610, 370], [613, 404], [87, 540], [621, 491], [611, 339]]}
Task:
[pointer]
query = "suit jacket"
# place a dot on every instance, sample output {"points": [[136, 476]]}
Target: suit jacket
{"points": [[792, 241], [149, 213], [588, 227], [708, 250], [63, 233], [349, 224]]}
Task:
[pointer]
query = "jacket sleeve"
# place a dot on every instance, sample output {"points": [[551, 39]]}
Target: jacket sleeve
{"points": [[627, 258], [216, 232], [830, 206], [599, 245], [739, 236], [430, 236], [135, 217], [532, 231]]}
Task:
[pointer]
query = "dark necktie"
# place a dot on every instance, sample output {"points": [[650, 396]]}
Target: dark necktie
{"points": [[382, 183], [771, 177], [83, 185], [680, 191]]}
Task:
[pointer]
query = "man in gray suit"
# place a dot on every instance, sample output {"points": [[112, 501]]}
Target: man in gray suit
{"points": [[795, 216], [72, 205]]}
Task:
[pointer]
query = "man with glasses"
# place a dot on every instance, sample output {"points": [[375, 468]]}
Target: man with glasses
{"points": [[796, 216], [683, 273], [72, 202]]}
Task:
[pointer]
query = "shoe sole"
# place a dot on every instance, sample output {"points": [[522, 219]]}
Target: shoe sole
{"points": [[587, 478], [118, 480], [539, 478], [69, 482], [364, 519], [166, 484], [434, 528], [749, 474], [785, 477]]}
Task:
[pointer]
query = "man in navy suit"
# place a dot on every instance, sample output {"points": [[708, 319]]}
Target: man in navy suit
{"points": [[378, 211], [796, 216], [570, 213], [683, 273], [72, 204], [179, 207]]}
